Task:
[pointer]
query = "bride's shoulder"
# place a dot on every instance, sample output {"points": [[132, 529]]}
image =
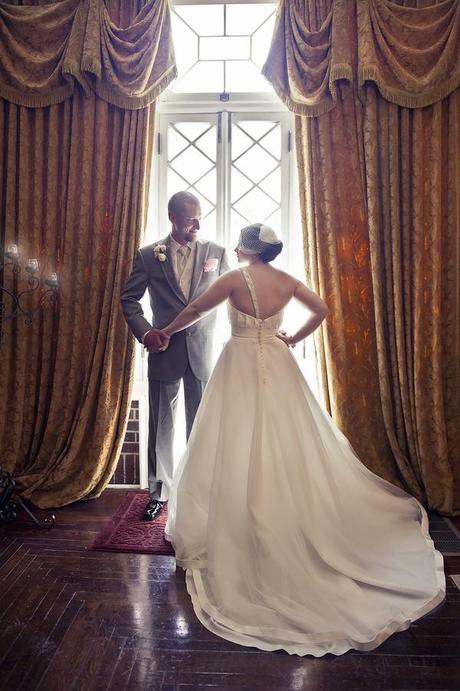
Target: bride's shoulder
{"points": [[231, 277], [285, 277], [233, 273]]}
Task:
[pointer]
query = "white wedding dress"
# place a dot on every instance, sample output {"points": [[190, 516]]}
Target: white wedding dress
{"points": [[288, 540]]}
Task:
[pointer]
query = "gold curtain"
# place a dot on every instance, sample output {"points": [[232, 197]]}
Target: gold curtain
{"points": [[413, 194], [73, 183], [126, 57], [380, 199], [310, 51]]}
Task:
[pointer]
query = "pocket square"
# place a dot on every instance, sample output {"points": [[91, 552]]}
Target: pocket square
{"points": [[210, 264]]}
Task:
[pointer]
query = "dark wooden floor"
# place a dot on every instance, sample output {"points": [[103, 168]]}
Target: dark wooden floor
{"points": [[73, 619]]}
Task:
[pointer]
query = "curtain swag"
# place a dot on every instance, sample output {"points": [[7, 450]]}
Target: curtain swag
{"points": [[302, 65], [126, 66], [412, 54]]}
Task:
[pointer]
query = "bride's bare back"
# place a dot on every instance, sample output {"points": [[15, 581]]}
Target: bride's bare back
{"points": [[274, 289]]}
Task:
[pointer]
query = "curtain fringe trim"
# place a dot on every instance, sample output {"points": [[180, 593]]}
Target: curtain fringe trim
{"points": [[31, 100], [370, 73]]}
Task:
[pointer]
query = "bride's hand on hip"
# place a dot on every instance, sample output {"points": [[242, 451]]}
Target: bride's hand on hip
{"points": [[286, 339]]}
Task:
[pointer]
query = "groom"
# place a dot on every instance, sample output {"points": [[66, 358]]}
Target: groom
{"points": [[174, 270]]}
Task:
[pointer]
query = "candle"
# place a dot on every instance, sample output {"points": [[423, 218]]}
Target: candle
{"points": [[12, 252], [32, 266], [52, 280]]}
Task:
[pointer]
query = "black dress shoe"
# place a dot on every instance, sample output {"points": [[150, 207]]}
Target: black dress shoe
{"points": [[153, 509]]}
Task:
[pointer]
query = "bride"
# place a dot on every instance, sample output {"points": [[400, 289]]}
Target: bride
{"points": [[288, 540]]}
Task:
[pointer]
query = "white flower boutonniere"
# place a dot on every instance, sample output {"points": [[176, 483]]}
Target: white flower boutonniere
{"points": [[160, 252]]}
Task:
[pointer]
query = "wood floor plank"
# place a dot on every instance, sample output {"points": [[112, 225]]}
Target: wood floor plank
{"points": [[74, 619]]}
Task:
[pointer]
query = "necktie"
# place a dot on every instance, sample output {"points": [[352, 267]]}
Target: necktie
{"points": [[181, 260]]}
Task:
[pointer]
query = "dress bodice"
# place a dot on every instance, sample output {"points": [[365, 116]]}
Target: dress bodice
{"points": [[248, 326]]}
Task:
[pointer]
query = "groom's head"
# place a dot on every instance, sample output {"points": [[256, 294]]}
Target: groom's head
{"points": [[184, 212]]}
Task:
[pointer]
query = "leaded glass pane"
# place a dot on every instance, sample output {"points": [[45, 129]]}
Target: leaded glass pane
{"points": [[202, 77], [274, 220], [176, 143], [256, 128], [233, 44], [240, 142], [261, 40], [272, 184], [256, 205], [207, 186], [192, 166], [204, 20], [272, 142], [209, 226], [185, 45], [255, 163], [175, 183], [206, 206], [240, 184], [225, 48], [244, 76], [207, 143], [248, 17], [255, 174], [192, 130], [237, 222]]}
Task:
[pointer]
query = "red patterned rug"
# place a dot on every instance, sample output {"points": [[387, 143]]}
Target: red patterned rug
{"points": [[128, 532]]}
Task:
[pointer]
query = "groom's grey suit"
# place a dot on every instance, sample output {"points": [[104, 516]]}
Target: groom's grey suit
{"points": [[189, 355]]}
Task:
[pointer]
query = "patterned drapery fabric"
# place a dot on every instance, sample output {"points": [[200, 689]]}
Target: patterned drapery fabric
{"points": [[412, 53], [45, 50], [74, 180], [379, 169], [304, 63]]}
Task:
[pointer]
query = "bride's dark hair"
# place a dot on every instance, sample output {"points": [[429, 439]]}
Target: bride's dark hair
{"points": [[271, 252]]}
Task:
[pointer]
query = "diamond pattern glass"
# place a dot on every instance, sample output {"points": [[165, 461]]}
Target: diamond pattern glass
{"points": [[255, 163], [192, 151], [255, 177]]}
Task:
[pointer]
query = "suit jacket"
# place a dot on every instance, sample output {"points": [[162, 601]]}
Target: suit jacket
{"points": [[192, 345]]}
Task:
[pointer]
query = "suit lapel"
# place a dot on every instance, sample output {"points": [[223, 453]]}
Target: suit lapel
{"points": [[201, 253], [168, 271]]}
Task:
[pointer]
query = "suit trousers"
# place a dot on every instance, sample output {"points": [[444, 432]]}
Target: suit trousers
{"points": [[163, 397]]}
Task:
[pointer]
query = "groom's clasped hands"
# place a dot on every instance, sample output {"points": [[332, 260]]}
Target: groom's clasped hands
{"points": [[156, 340]]}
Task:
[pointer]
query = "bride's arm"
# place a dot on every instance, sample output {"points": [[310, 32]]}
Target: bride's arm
{"points": [[317, 307], [209, 300]]}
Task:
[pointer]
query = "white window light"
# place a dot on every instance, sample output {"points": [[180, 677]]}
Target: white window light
{"points": [[221, 47]]}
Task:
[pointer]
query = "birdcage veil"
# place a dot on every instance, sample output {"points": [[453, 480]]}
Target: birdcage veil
{"points": [[256, 238]]}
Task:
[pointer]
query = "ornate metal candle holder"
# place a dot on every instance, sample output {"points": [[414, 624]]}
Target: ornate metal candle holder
{"points": [[34, 283], [11, 502], [46, 289]]}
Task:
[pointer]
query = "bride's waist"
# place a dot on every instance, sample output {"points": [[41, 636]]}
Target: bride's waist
{"points": [[257, 337]]}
